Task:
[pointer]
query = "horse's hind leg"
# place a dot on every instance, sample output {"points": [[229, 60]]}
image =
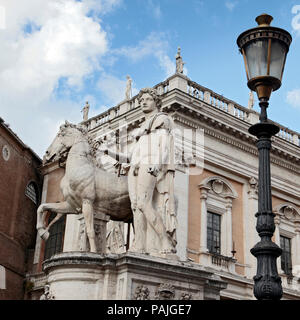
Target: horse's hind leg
{"points": [[88, 214]]}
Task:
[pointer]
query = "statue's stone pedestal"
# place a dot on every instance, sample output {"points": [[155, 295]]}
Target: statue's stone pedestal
{"points": [[129, 276]]}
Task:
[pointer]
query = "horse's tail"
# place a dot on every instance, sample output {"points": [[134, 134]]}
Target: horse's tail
{"points": [[40, 224]]}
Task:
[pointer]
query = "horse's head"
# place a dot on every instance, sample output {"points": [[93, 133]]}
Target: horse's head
{"points": [[64, 140]]}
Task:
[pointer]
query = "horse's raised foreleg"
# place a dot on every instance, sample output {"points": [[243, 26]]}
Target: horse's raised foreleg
{"points": [[88, 214], [59, 208]]}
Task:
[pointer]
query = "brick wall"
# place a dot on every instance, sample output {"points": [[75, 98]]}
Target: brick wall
{"points": [[17, 211]]}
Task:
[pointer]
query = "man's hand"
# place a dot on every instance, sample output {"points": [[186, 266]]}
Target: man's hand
{"points": [[103, 148], [154, 170]]}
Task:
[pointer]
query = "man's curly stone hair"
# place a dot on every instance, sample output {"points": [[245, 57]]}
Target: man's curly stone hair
{"points": [[153, 94]]}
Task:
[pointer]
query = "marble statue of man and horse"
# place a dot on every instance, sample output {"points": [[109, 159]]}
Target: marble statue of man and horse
{"points": [[146, 195]]}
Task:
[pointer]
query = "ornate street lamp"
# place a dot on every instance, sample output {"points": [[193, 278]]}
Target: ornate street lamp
{"points": [[264, 49]]}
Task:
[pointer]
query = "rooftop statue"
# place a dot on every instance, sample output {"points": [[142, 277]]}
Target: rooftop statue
{"points": [[85, 111], [128, 88], [251, 100], [179, 62]]}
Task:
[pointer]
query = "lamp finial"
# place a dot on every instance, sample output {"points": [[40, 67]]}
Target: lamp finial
{"points": [[264, 20]]}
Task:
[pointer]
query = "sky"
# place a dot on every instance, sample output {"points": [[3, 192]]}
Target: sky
{"points": [[58, 54]]}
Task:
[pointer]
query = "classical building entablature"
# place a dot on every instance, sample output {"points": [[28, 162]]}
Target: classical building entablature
{"points": [[236, 135], [195, 106]]}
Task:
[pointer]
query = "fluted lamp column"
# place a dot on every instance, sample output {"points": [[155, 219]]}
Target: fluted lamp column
{"points": [[264, 50]]}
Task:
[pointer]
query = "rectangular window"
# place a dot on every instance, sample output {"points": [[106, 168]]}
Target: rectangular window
{"points": [[213, 232], [286, 257], [54, 244]]}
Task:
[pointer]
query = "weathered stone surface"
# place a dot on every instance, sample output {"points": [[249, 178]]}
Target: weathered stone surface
{"points": [[90, 276], [86, 188]]}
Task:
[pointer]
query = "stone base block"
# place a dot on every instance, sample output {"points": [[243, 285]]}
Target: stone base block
{"points": [[128, 276]]}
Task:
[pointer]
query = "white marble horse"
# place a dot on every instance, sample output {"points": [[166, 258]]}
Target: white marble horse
{"points": [[85, 187]]}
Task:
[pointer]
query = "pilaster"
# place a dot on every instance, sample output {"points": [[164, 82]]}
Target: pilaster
{"points": [[296, 257], [228, 217], [277, 220], [203, 219], [251, 236]]}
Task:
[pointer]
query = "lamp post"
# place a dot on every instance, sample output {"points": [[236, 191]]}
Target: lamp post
{"points": [[264, 49]]}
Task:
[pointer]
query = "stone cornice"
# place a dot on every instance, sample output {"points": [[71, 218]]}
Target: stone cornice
{"points": [[133, 261], [227, 130], [196, 114]]}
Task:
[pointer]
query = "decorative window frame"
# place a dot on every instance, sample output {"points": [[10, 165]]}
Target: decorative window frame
{"points": [[36, 191], [287, 222], [216, 195]]}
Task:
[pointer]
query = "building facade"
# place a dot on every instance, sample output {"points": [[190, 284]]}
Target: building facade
{"points": [[215, 188], [20, 189]]}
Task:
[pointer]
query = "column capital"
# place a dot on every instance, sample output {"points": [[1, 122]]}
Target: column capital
{"points": [[253, 186], [277, 219], [203, 191], [297, 226], [228, 204]]}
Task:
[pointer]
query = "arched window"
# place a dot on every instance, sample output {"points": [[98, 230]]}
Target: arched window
{"points": [[31, 192]]}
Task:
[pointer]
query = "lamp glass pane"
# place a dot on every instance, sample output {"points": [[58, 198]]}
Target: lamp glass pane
{"points": [[278, 53], [257, 58]]}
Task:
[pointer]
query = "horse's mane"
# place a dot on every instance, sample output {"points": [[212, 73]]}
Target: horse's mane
{"points": [[93, 143], [79, 127]]}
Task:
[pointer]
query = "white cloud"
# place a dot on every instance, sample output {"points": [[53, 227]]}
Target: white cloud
{"points": [[166, 63], [102, 6], [230, 5], [48, 48], [198, 6], [293, 98], [154, 9], [113, 89], [296, 19], [154, 44], [66, 42]]}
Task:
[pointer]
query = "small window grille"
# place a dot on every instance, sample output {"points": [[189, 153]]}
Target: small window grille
{"points": [[31, 192]]}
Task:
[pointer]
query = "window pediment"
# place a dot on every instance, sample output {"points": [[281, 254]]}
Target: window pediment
{"points": [[218, 186], [288, 212]]}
